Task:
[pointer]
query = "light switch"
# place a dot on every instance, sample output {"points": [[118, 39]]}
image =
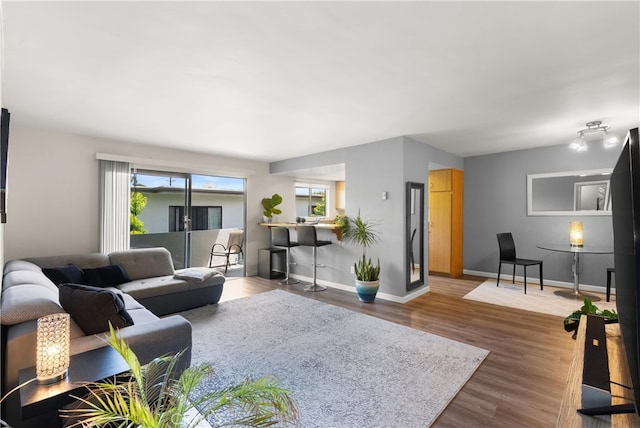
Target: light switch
{"points": [[384, 196]]}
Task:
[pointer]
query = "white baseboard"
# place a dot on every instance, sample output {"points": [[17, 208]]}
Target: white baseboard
{"points": [[352, 289]]}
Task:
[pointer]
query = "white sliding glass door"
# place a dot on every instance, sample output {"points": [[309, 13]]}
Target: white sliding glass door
{"points": [[185, 213]]}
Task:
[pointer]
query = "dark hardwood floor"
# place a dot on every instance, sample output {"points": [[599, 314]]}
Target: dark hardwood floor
{"points": [[520, 383]]}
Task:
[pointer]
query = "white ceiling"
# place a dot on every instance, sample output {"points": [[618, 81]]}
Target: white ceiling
{"points": [[275, 80]]}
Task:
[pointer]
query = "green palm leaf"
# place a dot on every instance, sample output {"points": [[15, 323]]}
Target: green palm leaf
{"points": [[153, 396]]}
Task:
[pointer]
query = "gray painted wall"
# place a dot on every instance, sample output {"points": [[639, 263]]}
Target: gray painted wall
{"points": [[495, 201], [373, 168]]}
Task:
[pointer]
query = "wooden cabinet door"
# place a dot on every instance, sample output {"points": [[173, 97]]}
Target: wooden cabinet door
{"points": [[440, 231], [440, 180], [340, 195]]}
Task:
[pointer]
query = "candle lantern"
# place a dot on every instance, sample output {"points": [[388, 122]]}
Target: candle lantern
{"points": [[576, 235], [52, 350]]}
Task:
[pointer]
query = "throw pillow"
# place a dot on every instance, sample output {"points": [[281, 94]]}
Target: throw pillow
{"points": [[106, 276], [64, 274], [92, 307]]}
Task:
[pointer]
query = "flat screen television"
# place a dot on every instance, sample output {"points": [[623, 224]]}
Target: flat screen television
{"points": [[625, 198], [4, 149]]}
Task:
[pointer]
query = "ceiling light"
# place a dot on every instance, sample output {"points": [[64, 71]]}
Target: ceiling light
{"points": [[609, 141], [579, 144]]}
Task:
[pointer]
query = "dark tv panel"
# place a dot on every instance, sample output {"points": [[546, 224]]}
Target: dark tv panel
{"points": [[4, 150]]}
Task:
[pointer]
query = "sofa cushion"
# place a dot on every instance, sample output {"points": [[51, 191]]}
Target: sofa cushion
{"points": [[92, 308], [83, 261], [27, 302], [64, 274], [152, 287], [105, 276], [20, 265], [142, 316], [25, 277], [130, 303], [144, 262]]}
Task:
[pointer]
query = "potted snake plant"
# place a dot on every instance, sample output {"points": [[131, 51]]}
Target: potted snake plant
{"points": [[363, 232]]}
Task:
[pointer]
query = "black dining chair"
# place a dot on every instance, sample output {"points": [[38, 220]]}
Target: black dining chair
{"points": [[508, 255], [412, 260], [609, 272]]}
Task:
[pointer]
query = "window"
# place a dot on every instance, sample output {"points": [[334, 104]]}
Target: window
{"points": [[311, 200], [160, 201], [202, 218]]}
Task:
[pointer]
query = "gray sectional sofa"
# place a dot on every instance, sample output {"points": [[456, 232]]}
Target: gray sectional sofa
{"points": [[151, 290]]}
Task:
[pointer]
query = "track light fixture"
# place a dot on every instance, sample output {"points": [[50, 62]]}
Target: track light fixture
{"points": [[579, 144]]}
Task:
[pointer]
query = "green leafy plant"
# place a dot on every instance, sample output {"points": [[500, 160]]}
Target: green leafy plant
{"points": [[362, 232], [366, 271], [321, 206], [269, 205], [340, 221], [138, 202], [572, 321], [153, 396]]}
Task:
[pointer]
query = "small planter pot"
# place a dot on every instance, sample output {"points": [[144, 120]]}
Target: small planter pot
{"points": [[367, 290], [266, 219]]}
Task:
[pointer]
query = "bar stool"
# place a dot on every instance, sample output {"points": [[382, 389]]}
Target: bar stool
{"points": [[280, 238], [609, 272], [307, 237]]}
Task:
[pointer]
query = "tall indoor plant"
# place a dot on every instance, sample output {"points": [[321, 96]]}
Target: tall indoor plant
{"points": [[154, 396], [269, 207], [363, 232]]}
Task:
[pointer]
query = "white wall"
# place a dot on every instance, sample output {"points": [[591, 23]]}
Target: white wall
{"points": [[53, 202], [53, 190]]}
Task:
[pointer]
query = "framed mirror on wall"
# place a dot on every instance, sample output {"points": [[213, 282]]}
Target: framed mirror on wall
{"points": [[569, 193], [414, 234]]}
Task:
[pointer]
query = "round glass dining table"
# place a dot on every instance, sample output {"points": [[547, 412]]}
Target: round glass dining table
{"points": [[565, 247]]}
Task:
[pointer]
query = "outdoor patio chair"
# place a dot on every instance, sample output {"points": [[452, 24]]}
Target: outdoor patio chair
{"points": [[233, 247]]}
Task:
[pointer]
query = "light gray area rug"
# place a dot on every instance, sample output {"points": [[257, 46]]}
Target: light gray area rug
{"points": [[345, 369], [545, 301]]}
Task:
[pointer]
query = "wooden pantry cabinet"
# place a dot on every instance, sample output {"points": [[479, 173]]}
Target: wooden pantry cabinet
{"points": [[445, 221], [340, 196]]}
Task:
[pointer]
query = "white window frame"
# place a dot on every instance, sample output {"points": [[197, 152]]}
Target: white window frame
{"points": [[310, 186]]}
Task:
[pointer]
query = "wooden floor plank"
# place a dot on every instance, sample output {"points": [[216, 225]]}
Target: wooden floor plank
{"points": [[522, 380]]}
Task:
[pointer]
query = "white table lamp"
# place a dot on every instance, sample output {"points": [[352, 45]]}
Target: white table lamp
{"points": [[52, 350]]}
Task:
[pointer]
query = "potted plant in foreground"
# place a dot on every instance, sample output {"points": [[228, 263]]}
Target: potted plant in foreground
{"points": [[572, 322], [362, 232], [269, 207], [153, 396]]}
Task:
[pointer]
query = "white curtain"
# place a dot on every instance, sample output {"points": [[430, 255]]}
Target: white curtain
{"points": [[114, 206]]}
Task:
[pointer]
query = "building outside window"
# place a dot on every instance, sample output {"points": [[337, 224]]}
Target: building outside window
{"points": [[202, 218], [311, 200]]}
